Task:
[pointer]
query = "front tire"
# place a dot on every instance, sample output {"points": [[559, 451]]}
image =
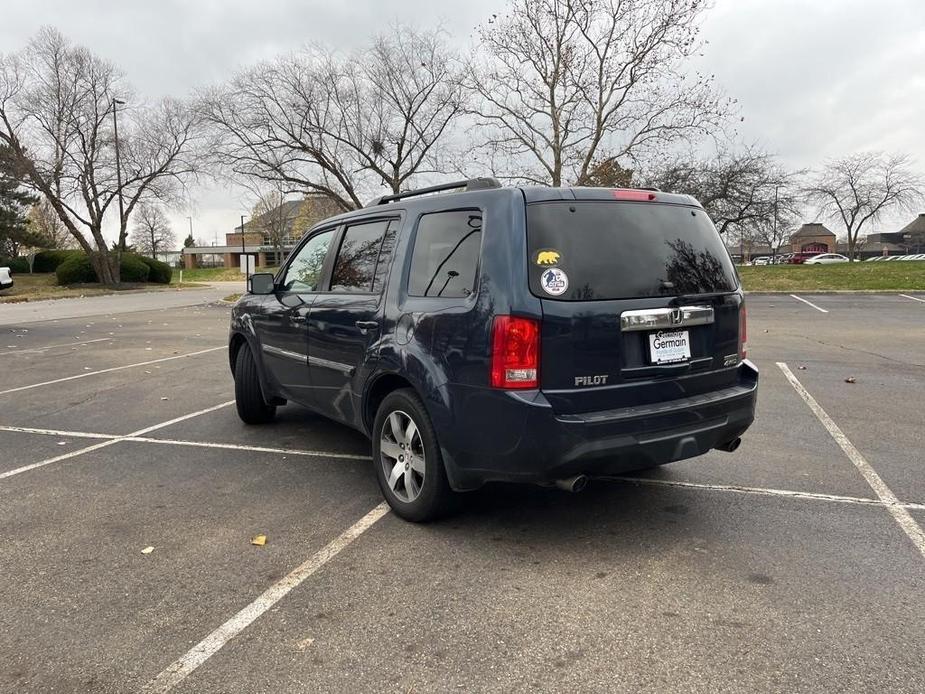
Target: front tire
{"points": [[248, 396], [406, 456]]}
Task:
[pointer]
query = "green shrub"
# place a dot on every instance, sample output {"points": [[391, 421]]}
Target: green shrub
{"points": [[78, 270], [48, 261], [133, 269], [75, 270], [16, 265], [159, 272]]}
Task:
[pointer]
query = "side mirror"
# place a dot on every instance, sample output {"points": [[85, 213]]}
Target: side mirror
{"points": [[261, 283]]}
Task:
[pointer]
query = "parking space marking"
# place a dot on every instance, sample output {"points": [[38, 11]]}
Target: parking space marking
{"points": [[180, 442], [110, 442], [808, 303], [914, 298], [183, 667], [643, 481], [883, 492], [763, 491], [111, 369], [58, 432], [36, 350], [254, 449]]}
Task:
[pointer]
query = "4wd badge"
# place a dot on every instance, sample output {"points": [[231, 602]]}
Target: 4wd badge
{"points": [[554, 281], [548, 257]]}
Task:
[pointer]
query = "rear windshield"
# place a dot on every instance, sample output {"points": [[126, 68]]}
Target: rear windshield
{"points": [[581, 251]]}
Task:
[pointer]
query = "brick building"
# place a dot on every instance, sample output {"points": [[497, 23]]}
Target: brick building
{"points": [[293, 218]]}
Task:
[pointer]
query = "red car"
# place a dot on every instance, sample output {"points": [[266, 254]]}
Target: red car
{"points": [[800, 258]]}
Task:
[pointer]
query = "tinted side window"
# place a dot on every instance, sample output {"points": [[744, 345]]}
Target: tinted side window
{"points": [[304, 273], [446, 254], [385, 255], [356, 260]]}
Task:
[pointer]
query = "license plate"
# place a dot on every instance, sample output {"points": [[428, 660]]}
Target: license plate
{"points": [[668, 346]]}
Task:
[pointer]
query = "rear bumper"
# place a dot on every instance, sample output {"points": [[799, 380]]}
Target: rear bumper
{"points": [[511, 436]]}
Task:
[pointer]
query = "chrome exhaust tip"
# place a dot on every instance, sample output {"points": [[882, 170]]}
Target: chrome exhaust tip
{"points": [[575, 484]]}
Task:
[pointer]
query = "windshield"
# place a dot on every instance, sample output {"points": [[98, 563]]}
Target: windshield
{"points": [[581, 251]]}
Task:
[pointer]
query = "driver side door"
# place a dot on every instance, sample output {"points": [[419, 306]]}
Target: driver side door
{"points": [[282, 327]]}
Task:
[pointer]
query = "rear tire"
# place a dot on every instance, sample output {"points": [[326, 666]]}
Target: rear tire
{"points": [[248, 396], [407, 459]]}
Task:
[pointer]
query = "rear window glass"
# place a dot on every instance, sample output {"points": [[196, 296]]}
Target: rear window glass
{"points": [[581, 251]]}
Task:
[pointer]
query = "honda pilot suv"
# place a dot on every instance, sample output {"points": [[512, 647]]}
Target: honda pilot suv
{"points": [[484, 333]]}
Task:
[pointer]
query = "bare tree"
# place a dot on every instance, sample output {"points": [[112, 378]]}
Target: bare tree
{"points": [[46, 223], [152, 232], [269, 216], [320, 122], [563, 86], [56, 116], [859, 189], [747, 194]]}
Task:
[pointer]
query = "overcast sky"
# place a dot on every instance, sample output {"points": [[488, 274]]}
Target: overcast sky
{"points": [[814, 78]]}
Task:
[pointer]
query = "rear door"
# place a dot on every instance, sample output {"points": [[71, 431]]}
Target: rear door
{"points": [[640, 302], [345, 322]]}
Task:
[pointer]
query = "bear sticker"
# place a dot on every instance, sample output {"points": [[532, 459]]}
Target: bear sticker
{"points": [[554, 282], [548, 257]]}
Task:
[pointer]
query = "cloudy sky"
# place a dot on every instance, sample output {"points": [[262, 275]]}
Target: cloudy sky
{"points": [[814, 78]]}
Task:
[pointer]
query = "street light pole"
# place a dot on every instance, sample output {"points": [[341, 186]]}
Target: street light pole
{"points": [[241, 263], [115, 129]]}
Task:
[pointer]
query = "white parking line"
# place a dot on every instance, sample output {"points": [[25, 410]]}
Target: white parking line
{"points": [[180, 669], [645, 481], [59, 433], [883, 492], [36, 350], [914, 298], [110, 370], [808, 303], [109, 442], [763, 491], [255, 449]]}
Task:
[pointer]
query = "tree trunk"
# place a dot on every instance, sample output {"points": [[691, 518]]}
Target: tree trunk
{"points": [[106, 265]]}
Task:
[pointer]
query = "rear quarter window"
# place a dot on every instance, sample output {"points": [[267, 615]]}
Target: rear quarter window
{"points": [[445, 258], [583, 251]]}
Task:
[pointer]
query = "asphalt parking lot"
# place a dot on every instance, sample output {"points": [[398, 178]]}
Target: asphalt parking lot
{"points": [[795, 564]]}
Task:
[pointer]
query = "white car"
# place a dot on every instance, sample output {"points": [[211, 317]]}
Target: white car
{"points": [[5, 280], [763, 260], [826, 259]]}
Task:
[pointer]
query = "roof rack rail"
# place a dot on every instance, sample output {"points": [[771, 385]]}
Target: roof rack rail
{"points": [[467, 185]]}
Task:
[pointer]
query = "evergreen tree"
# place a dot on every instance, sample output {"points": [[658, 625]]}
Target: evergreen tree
{"points": [[15, 202]]}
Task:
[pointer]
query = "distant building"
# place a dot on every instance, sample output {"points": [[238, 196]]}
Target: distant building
{"points": [[297, 217], [813, 237], [909, 239]]}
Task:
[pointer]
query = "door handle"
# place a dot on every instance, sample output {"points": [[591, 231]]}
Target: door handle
{"points": [[296, 319], [365, 325]]}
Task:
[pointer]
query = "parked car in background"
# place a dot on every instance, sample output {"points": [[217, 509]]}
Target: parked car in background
{"points": [[826, 259], [800, 258], [576, 334], [6, 280], [763, 260]]}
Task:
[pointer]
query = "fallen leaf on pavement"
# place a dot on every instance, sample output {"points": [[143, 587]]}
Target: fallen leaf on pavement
{"points": [[304, 643], [260, 540], [850, 379], [147, 550]]}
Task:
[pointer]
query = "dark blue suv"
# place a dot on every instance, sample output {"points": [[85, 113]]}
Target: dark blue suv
{"points": [[478, 333]]}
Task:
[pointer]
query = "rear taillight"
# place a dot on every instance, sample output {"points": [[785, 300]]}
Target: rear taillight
{"points": [[633, 194], [743, 331], [515, 352]]}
